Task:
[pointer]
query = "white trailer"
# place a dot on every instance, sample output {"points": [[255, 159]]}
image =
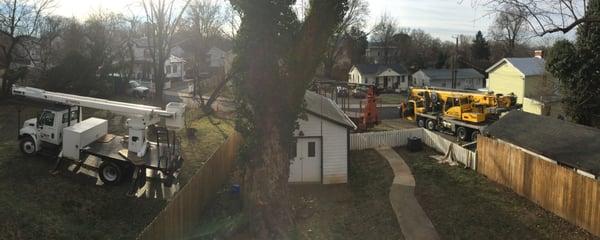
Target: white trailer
{"points": [[63, 129]]}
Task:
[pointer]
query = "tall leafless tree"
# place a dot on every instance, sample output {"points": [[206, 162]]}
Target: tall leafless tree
{"points": [[19, 21], [384, 34], [163, 18], [545, 16], [510, 28]]}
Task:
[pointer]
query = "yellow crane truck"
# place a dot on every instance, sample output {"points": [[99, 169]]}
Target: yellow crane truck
{"points": [[464, 113]]}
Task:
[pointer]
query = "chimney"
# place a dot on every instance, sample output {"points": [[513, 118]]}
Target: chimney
{"points": [[538, 54]]}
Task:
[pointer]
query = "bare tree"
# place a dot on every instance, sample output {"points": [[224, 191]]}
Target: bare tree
{"points": [[545, 16], [233, 21], [163, 18], [356, 15], [510, 28], [384, 35], [19, 21]]}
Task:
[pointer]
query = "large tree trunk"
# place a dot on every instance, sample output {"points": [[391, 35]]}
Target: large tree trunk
{"points": [[266, 199]]}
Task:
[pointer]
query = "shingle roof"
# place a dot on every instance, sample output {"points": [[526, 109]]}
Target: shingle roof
{"points": [[374, 69], [447, 73], [531, 66], [327, 109], [562, 141]]}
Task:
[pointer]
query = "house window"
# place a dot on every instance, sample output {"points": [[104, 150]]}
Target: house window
{"points": [[175, 70], [169, 69], [311, 149]]}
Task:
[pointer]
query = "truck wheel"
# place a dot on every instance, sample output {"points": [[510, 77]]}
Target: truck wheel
{"points": [[110, 173], [421, 122], [27, 146], [431, 124], [462, 133], [474, 135]]}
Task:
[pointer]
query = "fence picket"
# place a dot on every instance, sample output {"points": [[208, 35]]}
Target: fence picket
{"points": [[183, 213]]}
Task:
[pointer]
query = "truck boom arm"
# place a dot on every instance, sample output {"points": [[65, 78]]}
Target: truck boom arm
{"points": [[122, 108]]}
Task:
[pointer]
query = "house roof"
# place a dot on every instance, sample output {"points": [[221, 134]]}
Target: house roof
{"points": [[567, 143], [435, 74], [375, 69], [327, 109], [531, 66]]}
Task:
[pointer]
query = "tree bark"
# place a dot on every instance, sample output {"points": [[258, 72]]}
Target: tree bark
{"points": [[266, 198]]}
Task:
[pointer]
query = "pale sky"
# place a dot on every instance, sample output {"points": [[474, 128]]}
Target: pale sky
{"points": [[440, 18]]}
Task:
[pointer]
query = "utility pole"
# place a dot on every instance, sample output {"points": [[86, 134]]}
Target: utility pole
{"points": [[454, 62]]}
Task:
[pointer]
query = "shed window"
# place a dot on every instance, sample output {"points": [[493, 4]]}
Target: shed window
{"points": [[175, 69], [311, 149], [293, 149], [169, 69]]}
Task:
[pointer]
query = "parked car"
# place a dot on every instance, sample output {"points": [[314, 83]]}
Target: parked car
{"points": [[341, 91], [359, 92], [137, 90]]}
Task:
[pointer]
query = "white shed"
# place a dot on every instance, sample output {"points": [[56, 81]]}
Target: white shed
{"points": [[322, 143]]}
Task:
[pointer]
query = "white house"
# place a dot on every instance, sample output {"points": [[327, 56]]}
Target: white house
{"points": [[175, 68], [393, 77], [466, 78], [322, 143], [216, 57]]}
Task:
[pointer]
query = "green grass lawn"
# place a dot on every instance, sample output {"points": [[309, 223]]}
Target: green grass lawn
{"points": [[357, 210], [37, 205], [465, 205], [391, 98]]}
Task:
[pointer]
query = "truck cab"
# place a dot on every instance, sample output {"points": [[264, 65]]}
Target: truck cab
{"points": [[47, 129]]}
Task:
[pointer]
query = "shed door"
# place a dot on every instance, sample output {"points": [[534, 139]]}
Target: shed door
{"points": [[306, 166]]}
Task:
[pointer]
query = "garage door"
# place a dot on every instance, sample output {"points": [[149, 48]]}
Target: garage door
{"points": [[306, 165]]}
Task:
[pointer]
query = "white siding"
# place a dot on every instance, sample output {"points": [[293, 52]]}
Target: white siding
{"points": [[355, 76], [334, 147]]}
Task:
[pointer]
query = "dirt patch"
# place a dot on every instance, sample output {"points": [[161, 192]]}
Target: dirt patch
{"points": [[465, 205]]}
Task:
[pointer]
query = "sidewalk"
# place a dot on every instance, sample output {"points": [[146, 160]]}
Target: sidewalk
{"points": [[414, 223]]}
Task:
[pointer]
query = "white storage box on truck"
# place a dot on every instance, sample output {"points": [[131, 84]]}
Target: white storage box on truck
{"points": [[82, 134]]}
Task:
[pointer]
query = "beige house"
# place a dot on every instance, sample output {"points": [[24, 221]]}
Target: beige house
{"points": [[528, 79]]}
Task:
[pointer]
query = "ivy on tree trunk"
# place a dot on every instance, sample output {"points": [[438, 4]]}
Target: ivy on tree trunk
{"points": [[277, 56]]}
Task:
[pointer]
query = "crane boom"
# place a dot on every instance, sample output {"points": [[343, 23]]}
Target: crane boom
{"points": [[127, 109]]}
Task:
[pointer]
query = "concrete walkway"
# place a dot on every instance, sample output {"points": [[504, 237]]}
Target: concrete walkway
{"points": [[413, 221]]}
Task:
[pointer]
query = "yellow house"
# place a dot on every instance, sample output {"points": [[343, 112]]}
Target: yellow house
{"points": [[527, 78]]}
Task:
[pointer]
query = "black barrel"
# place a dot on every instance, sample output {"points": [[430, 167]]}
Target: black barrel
{"points": [[414, 144]]}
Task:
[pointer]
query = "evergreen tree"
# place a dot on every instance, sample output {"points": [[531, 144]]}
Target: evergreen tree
{"points": [[480, 48], [576, 67]]}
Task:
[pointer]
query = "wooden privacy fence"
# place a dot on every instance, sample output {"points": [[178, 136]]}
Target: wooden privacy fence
{"points": [[563, 191], [183, 213], [361, 141]]}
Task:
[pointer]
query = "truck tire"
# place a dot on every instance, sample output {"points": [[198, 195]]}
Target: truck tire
{"points": [[421, 122], [474, 135], [27, 146], [111, 173], [462, 133], [431, 124]]}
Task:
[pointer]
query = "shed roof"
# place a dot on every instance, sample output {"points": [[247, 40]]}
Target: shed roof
{"points": [[531, 66], [568, 143], [327, 109], [375, 69], [437, 74]]}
